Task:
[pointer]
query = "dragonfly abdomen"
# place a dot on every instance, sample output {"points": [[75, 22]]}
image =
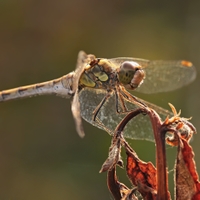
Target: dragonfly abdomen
{"points": [[61, 86]]}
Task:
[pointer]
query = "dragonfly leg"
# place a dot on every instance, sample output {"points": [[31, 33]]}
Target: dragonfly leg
{"points": [[132, 99], [122, 95], [119, 99], [97, 109]]}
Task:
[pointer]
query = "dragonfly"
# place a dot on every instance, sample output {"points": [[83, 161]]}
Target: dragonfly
{"points": [[99, 90]]}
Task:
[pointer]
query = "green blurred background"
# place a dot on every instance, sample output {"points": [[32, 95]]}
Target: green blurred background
{"points": [[41, 155]]}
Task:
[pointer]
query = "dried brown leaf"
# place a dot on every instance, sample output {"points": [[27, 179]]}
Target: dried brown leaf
{"points": [[186, 177], [141, 174], [114, 156], [119, 190]]}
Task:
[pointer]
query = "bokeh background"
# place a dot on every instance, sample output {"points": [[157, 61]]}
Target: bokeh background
{"points": [[41, 155]]}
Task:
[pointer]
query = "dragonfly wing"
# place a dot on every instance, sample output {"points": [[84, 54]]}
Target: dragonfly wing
{"points": [[82, 61], [138, 128], [76, 114], [163, 113], [162, 76], [80, 66]]}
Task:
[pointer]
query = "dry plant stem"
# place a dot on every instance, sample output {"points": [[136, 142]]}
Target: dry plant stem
{"points": [[117, 189], [127, 118], [159, 135], [113, 181]]}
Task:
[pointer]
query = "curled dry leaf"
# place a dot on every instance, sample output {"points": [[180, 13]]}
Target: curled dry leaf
{"points": [[186, 177], [141, 174], [119, 190], [178, 126], [187, 185], [114, 156]]}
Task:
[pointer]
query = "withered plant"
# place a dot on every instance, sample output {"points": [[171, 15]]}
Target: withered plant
{"points": [[149, 181]]}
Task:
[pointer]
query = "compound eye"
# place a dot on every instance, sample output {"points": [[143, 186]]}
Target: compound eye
{"points": [[127, 71]]}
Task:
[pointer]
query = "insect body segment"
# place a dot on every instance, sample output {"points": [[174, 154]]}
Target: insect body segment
{"points": [[99, 73], [95, 75], [61, 86]]}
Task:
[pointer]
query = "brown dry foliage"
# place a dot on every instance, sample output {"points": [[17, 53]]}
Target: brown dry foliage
{"points": [[149, 181]]}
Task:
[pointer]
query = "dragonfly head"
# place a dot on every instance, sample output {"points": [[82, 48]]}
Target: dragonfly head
{"points": [[131, 75]]}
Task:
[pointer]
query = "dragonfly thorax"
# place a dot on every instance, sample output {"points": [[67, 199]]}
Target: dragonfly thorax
{"points": [[99, 74], [131, 75]]}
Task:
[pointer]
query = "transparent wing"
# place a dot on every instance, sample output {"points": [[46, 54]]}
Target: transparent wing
{"points": [[83, 59], [81, 63], [162, 76], [138, 128]]}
